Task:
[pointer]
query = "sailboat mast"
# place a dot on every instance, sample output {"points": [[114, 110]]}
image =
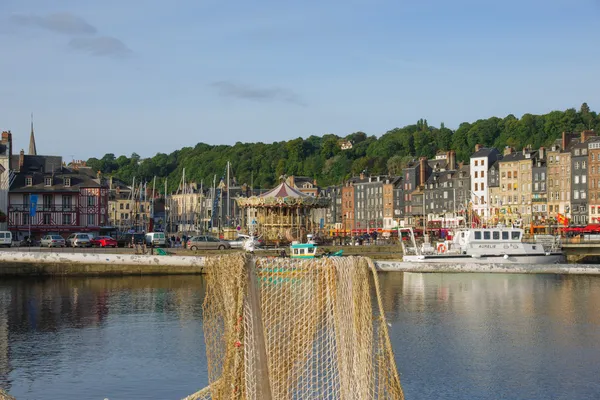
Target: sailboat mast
{"points": [[201, 207], [228, 199], [166, 227], [132, 204]]}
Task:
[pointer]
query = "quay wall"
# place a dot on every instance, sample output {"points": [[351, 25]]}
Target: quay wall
{"points": [[49, 263], [15, 263], [573, 269]]}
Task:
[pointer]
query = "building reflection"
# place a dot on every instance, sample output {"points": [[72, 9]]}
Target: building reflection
{"points": [[30, 307]]}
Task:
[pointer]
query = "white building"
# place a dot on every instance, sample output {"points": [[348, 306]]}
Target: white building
{"points": [[5, 175], [481, 161]]}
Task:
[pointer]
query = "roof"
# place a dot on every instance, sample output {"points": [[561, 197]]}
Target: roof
{"points": [[284, 190], [37, 163], [484, 152], [78, 181]]}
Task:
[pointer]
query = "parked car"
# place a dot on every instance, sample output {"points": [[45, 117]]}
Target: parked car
{"points": [[125, 240], [207, 243], [156, 239], [239, 242], [79, 240], [52, 241], [5, 239], [104, 241]]}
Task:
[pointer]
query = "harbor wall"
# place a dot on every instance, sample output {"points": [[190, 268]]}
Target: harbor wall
{"points": [[577, 269], [48, 263], [91, 264]]}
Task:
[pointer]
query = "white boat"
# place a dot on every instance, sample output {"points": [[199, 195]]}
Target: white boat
{"points": [[498, 245]]}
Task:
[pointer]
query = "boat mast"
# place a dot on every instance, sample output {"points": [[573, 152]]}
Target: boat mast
{"points": [[166, 209], [132, 205], [201, 206], [228, 216]]}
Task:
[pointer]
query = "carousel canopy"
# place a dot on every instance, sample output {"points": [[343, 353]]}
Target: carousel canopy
{"points": [[283, 196]]}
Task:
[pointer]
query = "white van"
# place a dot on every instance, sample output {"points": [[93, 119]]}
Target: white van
{"points": [[5, 239], [156, 239]]}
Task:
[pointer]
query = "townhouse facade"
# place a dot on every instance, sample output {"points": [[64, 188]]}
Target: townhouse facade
{"points": [[594, 181], [480, 162]]}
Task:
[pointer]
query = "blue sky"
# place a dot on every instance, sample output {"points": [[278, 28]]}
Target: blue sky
{"points": [[152, 76]]}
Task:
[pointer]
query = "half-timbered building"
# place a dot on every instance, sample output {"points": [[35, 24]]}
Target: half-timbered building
{"points": [[68, 199]]}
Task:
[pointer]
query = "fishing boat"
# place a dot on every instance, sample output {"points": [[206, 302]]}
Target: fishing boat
{"points": [[503, 245], [303, 250]]}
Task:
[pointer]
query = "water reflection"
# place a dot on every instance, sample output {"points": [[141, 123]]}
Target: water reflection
{"points": [[122, 338], [477, 336], [456, 336]]}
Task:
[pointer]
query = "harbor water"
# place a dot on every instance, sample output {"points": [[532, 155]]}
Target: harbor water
{"points": [[455, 336]]}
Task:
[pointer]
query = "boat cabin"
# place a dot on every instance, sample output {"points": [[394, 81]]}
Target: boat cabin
{"points": [[303, 250]]}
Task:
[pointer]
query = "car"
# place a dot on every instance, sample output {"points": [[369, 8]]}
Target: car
{"points": [[206, 242], [127, 241], [104, 241], [79, 240], [239, 242], [52, 241]]}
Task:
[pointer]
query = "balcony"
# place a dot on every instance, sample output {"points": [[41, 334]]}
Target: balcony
{"points": [[42, 208]]}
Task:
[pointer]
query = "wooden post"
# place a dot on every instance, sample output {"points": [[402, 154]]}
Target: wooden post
{"points": [[263, 386]]}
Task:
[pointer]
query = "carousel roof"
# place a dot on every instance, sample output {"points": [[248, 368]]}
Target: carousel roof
{"points": [[283, 190], [283, 196]]}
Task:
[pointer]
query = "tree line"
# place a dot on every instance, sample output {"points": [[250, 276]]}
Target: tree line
{"points": [[321, 157]]}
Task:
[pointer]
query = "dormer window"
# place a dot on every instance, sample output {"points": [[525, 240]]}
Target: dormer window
{"points": [[29, 181], [68, 181], [48, 181]]}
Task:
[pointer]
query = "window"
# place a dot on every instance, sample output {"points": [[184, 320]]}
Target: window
{"points": [[577, 165], [91, 201], [482, 200], [482, 163], [583, 178], [509, 175], [515, 235], [475, 174], [29, 181], [121, 205], [91, 219], [66, 219], [67, 181], [476, 162], [127, 206], [496, 235], [482, 186], [482, 174], [576, 179], [46, 219], [487, 235], [47, 201], [48, 181], [576, 152], [477, 235], [476, 186], [515, 174], [504, 235]]}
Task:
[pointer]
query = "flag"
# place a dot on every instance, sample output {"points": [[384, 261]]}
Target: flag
{"points": [[562, 219]]}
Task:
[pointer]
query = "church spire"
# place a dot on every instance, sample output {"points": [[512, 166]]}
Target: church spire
{"points": [[32, 150]]}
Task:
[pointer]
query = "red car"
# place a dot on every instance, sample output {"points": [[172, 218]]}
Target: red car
{"points": [[103, 241]]}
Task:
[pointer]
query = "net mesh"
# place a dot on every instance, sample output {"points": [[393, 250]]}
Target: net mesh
{"points": [[296, 329]]}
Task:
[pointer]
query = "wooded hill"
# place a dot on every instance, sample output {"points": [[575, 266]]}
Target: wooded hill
{"points": [[321, 157]]}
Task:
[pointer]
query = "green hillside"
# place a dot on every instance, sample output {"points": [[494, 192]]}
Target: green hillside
{"points": [[322, 158]]}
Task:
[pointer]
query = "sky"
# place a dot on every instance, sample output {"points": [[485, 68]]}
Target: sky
{"points": [[151, 76]]}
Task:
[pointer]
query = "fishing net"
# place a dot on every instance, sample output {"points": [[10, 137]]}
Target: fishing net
{"points": [[296, 329]]}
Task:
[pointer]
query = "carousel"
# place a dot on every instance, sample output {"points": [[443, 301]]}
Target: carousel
{"points": [[283, 214]]}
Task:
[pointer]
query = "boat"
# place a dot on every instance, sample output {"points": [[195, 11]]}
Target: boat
{"points": [[303, 250], [494, 245]]}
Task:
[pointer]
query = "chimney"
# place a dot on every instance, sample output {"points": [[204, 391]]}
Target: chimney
{"points": [[21, 159], [99, 174], [362, 175], [477, 147], [110, 183], [315, 182], [422, 170], [524, 150], [585, 135], [452, 160], [508, 150], [564, 141], [7, 141], [542, 153]]}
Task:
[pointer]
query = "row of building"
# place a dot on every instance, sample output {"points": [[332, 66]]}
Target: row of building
{"points": [[519, 187], [527, 187]]}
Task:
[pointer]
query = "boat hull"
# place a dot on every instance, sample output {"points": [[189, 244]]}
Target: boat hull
{"points": [[551, 258]]}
